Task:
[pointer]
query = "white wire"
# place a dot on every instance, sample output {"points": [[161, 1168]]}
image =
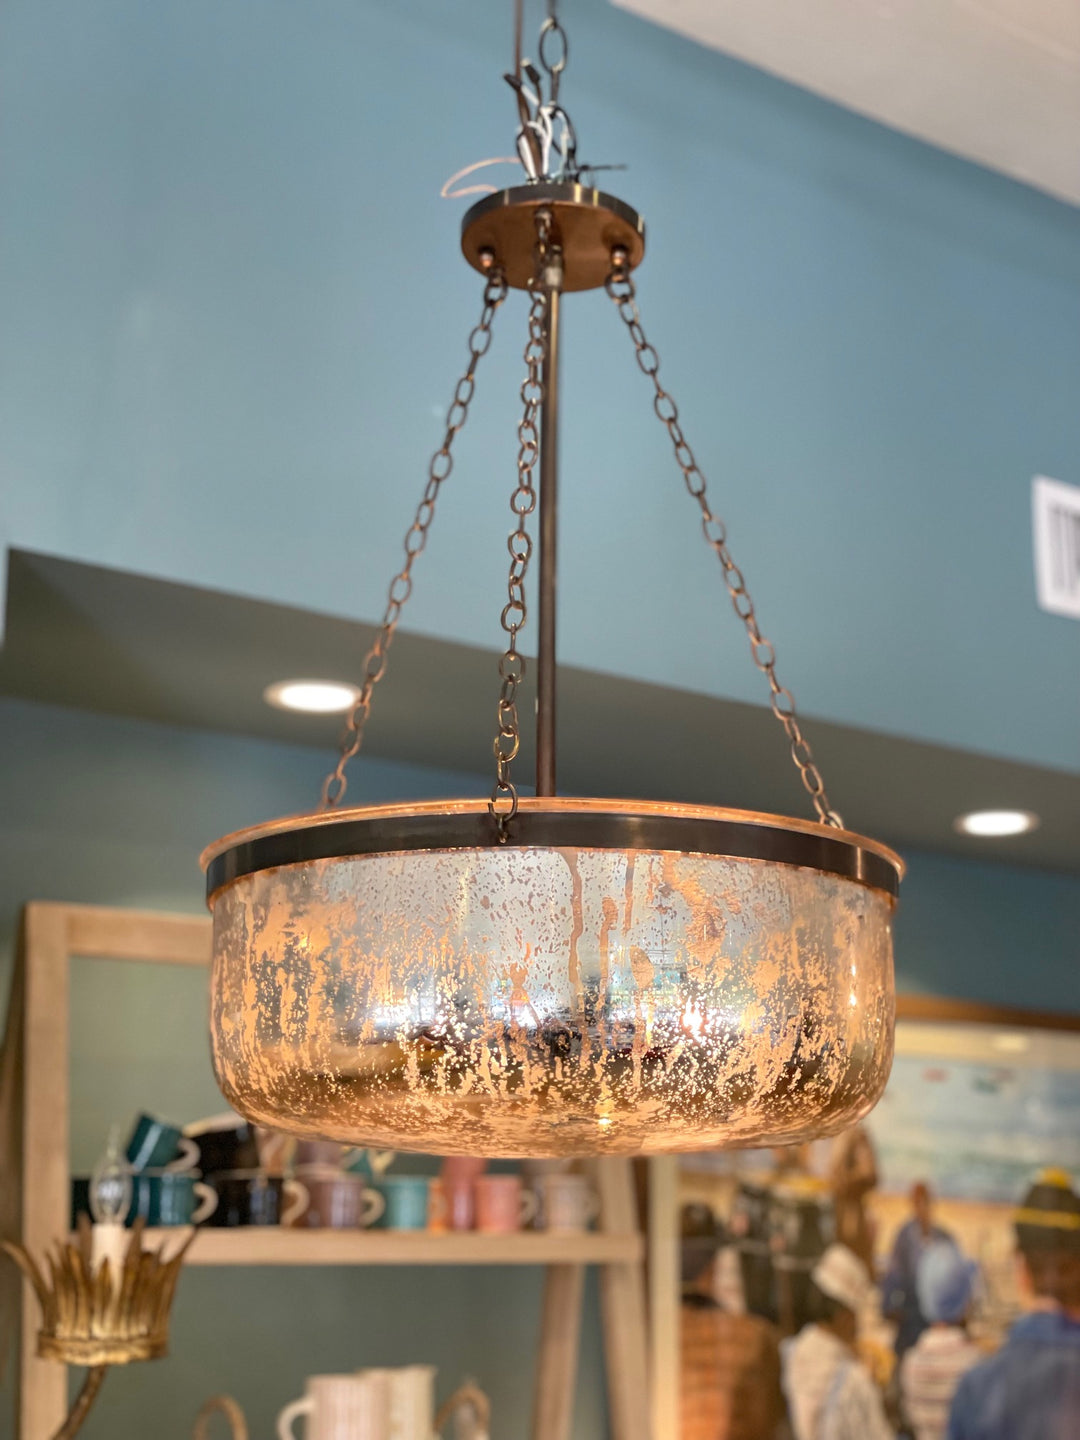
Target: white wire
{"points": [[447, 194]]}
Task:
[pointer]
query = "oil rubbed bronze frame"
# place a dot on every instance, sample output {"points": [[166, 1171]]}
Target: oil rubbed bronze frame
{"points": [[587, 824]]}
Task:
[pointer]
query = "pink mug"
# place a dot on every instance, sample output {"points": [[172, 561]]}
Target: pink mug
{"points": [[459, 1174], [460, 1204], [502, 1204], [457, 1169]]}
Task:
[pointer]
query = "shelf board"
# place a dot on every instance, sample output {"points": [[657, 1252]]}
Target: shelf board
{"points": [[270, 1245]]}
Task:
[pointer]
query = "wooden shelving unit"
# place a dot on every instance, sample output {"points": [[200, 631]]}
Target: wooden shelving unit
{"points": [[35, 1199], [273, 1246]]}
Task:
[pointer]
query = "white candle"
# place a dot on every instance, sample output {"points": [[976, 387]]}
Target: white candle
{"points": [[108, 1241]]}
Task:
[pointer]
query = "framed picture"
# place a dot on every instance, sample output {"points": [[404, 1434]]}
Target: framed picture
{"points": [[980, 1099]]}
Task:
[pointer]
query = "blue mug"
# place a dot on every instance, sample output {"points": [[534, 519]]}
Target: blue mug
{"points": [[170, 1197], [406, 1198], [157, 1145]]}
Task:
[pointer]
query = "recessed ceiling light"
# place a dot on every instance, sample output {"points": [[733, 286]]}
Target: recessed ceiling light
{"points": [[315, 697], [996, 822]]}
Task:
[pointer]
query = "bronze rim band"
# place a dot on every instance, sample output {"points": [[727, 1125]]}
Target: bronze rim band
{"points": [[587, 830]]}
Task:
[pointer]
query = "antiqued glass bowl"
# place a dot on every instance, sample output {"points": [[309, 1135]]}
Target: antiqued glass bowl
{"points": [[618, 978]]}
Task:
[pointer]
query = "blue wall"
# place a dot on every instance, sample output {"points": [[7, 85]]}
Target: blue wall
{"points": [[231, 312]]}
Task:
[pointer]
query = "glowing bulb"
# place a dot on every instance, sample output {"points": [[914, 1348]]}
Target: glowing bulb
{"points": [[996, 823], [110, 1184], [313, 697], [692, 1020]]}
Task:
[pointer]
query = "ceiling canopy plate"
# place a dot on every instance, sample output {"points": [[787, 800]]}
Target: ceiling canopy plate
{"points": [[586, 224]]}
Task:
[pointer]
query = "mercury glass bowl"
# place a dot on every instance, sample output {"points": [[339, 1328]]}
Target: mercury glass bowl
{"points": [[618, 978]]}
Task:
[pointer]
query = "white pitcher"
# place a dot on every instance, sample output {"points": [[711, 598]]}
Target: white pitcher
{"points": [[410, 1391], [340, 1407]]}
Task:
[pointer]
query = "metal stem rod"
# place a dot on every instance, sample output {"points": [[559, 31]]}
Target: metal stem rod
{"points": [[549, 496]]}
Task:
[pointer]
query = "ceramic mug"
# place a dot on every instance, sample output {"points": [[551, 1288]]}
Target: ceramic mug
{"points": [[410, 1391], [459, 1173], [251, 1197], [170, 1197], [157, 1145], [438, 1205], [457, 1168], [340, 1407], [371, 1164], [459, 1203], [324, 1153], [406, 1198], [337, 1201], [567, 1203], [225, 1143], [502, 1204]]}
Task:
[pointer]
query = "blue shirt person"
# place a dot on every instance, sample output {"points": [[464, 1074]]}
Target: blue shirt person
{"points": [[1030, 1390], [899, 1291]]}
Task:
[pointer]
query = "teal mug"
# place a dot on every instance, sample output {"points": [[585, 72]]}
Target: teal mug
{"points": [[157, 1145], [406, 1198], [170, 1197]]}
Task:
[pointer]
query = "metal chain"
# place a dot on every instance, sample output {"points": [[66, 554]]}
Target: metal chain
{"points": [[554, 50], [442, 462], [503, 804], [620, 287]]}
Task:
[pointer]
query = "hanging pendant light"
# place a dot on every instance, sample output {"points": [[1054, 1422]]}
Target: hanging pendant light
{"points": [[552, 976]]}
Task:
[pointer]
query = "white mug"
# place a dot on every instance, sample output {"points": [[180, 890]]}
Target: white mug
{"points": [[339, 1407], [568, 1205], [410, 1393]]}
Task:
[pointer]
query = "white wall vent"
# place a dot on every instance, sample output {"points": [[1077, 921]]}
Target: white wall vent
{"points": [[1056, 516]]}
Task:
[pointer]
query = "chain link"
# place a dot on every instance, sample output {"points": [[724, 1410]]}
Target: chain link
{"points": [[620, 287], [442, 462], [554, 51], [503, 804]]}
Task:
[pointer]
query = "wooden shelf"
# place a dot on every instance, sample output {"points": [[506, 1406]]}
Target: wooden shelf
{"points": [[270, 1245]]}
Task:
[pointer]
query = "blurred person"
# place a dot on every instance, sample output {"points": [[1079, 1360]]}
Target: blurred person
{"points": [[932, 1368], [853, 1174], [1030, 1390], [729, 1362], [830, 1393], [751, 1235], [899, 1291], [799, 1231]]}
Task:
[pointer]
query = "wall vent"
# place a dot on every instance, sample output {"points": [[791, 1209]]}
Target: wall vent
{"points": [[1055, 511]]}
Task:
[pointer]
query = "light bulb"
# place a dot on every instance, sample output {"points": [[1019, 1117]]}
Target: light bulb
{"points": [[110, 1184]]}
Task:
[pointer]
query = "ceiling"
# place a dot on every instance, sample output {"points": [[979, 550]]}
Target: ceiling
{"points": [[109, 641], [996, 81]]}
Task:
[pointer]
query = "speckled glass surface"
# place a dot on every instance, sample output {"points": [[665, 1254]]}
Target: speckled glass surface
{"points": [[512, 1001]]}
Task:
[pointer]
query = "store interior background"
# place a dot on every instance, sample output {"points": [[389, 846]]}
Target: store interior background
{"points": [[231, 312]]}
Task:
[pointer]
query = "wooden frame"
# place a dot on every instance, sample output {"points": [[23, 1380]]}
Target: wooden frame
{"points": [[663, 1278], [35, 1203]]}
